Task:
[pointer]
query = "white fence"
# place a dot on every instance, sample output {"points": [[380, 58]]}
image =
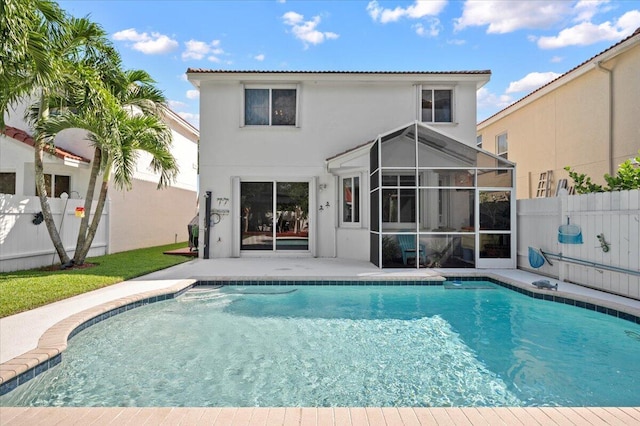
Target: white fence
{"points": [[614, 216], [24, 245]]}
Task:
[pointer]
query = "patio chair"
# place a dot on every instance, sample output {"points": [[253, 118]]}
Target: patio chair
{"points": [[408, 248]]}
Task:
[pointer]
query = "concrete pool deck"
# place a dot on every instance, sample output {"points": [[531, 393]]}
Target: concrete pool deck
{"points": [[47, 328]]}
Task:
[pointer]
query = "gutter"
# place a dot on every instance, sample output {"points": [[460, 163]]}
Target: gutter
{"points": [[609, 73]]}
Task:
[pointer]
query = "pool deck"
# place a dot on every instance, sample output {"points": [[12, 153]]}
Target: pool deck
{"points": [[29, 337]]}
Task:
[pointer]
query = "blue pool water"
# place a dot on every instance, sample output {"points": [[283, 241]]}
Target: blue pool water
{"points": [[347, 346]]}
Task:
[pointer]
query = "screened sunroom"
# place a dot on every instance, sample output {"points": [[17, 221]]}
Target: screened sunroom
{"points": [[439, 203]]}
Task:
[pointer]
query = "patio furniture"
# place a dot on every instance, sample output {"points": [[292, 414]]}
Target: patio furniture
{"points": [[408, 248]]}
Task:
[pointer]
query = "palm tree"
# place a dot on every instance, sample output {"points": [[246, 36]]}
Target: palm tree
{"points": [[128, 121], [41, 50]]}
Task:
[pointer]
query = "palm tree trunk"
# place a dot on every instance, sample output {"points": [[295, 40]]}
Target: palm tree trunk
{"points": [[78, 257], [82, 251], [43, 191]]}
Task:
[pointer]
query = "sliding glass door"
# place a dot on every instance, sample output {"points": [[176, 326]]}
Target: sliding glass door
{"points": [[275, 216]]}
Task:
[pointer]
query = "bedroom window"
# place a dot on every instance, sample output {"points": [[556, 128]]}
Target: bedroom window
{"points": [[270, 106], [437, 106]]}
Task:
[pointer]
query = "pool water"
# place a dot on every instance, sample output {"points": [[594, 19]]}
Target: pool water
{"points": [[471, 345]]}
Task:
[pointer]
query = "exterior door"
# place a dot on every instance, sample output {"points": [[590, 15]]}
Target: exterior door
{"points": [[275, 216], [496, 237]]}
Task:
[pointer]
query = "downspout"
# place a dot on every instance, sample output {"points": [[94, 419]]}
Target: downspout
{"points": [[600, 67]]}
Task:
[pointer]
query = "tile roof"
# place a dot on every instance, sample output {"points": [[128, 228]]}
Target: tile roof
{"points": [[635, 33], [212, 71], [26, 138]]}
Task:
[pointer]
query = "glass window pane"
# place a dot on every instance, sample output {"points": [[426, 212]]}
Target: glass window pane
{"points": [[407, 180], [356, 199], [292, 208], [284, 107], [389, 179], [442, 101], [389, 205], [427, 106], [47, 184], [8, 183], [257, 215], [347, 200], [495, 210], [495, 246], [256, 107], [407, 204], [447, 177], [62, 184], [501, 144]]}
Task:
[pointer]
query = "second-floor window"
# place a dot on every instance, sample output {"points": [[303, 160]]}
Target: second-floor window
{"points": [[437, 105], [270, 106]]}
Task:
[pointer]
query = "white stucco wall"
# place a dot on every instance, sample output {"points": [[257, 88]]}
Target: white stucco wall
{"points": [[334, 115]]}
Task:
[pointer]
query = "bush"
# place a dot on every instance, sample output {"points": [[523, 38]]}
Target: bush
{"points": [[627, 177]]}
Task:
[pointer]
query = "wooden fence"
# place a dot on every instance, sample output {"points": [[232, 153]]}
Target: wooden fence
{"points": [[26, 245], [608, 256]]}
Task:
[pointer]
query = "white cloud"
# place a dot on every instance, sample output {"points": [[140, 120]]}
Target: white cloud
{"points": [[193, 94], [259, 57], [491, 101], [307, 30], [587, 33], [432, 30], [193, 119], [456, 42], [419, 9], [174, 105], [150, 44], [507, 16], [531, 82], [197, 50]]}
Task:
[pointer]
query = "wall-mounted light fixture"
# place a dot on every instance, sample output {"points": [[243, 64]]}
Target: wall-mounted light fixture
{"points": [[327, 205], [321, 208]]}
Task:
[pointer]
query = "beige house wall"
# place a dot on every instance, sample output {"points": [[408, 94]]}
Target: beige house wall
{"points": [[147, 217], [567, 123]]}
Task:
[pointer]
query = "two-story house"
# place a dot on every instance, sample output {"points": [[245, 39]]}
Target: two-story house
{"points": [[140, 217], [378, 166], [586, 118]]}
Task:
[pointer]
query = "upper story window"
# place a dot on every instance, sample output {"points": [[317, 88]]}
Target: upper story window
{"points": [[479, 141], [350, 200], [270, 106], [436, 105]]}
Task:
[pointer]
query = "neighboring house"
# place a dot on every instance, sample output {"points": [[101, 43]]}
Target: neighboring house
{"points": [[378, 166], [588, 119], [141, 217]]}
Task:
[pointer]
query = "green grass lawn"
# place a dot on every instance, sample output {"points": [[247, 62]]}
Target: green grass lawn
{"points": [[24, 290]]}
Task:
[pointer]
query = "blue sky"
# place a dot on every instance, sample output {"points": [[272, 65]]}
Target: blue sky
{"points": [[524, 43]]}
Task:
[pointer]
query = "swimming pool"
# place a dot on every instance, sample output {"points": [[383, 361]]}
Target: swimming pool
{"points": [[347, 346]]}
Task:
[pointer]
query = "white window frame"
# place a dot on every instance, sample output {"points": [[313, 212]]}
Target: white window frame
{"points": [[452, 112], [397, 187], [51, 190], [502, 154], [269, 87], [479, 141], [352, 223]]}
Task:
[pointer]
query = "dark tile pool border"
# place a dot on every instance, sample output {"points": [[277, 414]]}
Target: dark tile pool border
{"points": [[8, 385]]}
